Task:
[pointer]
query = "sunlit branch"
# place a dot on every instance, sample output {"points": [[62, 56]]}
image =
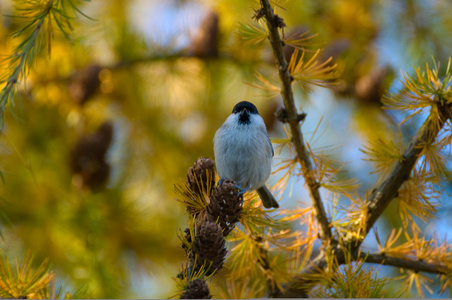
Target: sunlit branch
{"points": [[293, 121], [18, 72], [303, 282]]}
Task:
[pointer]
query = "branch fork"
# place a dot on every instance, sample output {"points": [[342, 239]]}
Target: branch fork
{"points": [[379, 198]]}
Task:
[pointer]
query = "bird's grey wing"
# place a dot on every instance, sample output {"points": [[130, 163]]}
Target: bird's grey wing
{"points": [[268, 140], [271, 146]]}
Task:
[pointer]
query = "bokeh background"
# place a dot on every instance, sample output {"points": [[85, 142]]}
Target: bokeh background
{"points": [[113, 118]]}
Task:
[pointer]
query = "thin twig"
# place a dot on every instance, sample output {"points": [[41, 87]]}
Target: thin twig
{"points": [[302, 283], [34, 18], [297, 137], [264, 262]]}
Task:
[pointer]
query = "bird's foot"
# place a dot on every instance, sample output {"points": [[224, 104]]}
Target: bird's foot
{"points": [[220, 181], [241, 189]]}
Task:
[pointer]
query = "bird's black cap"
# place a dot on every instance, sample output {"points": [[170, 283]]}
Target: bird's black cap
{"points": [[244, 109], [241, 106]]}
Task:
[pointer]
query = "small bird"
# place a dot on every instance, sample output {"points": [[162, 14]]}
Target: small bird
{"points": [[243, 152]]}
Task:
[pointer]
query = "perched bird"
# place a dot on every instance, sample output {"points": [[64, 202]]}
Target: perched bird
{"points": [[243, 152]]}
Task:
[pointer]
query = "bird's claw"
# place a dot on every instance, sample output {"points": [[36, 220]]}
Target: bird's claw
{"points": [[241, 189], [220, 181]]}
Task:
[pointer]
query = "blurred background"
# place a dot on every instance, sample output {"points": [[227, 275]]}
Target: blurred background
{"points": [[107, 124]]}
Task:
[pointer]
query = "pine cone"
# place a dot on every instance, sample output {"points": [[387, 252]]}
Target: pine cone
{"points": [[205, 43], [225, 205], [84, 83], [201, 176], [196, 289], [208, 247], [88, 157], [370, 88]]}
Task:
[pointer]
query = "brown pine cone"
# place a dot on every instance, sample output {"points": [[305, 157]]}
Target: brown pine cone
{"points": [[208, 247], [201, 176], [371, 87], [205, 43], [225, 205], [88, 157], [84, 83], [196, 289]]}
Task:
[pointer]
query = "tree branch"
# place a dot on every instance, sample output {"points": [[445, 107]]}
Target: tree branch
{"points": [[382, 195], [380, 198], [273, 22], [303, 282], [415, 265]]}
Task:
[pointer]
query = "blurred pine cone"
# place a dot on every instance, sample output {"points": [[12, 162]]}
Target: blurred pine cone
{"points": [[208, 247], [201, 177], [196, 289], [335, 49], [371, 87], [88, 157], [84, 83], [205, 43], [225, 205]]}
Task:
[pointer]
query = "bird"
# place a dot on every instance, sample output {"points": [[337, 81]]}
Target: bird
{"points": [[243, 152]]}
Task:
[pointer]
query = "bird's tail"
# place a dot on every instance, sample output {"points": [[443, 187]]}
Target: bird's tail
{"points": [[267, 198]]}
